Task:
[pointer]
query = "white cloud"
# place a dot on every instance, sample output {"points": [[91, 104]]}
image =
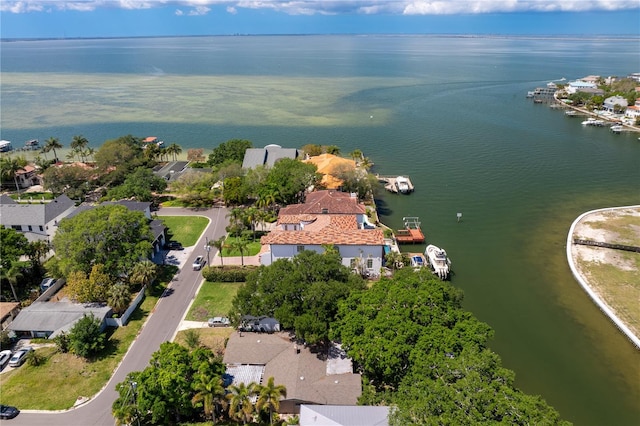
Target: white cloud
{"points": [[331, 7]]}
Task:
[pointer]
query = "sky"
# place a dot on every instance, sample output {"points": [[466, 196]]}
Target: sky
{"points": [[140, 18]]}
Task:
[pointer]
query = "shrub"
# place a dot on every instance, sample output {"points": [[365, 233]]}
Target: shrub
{"points": [[228, 274], [34, 359]]}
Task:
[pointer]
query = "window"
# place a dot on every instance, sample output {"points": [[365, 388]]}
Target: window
{"points": [[41, 228], [17, 227], [30, 228], [300, 249], [370, 263], [352, 263]]}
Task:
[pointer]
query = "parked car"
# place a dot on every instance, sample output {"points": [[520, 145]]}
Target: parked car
{"points": [[198, 263], [8, 412], [5, 356], [46, 283], [219, 322], [19, 357], [174, 245]]}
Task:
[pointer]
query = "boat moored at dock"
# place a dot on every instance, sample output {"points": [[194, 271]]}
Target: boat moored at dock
{"points": [[439, 262], [397, 184]]}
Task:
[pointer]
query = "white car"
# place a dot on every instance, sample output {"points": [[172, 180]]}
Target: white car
{"points": [[5, 356], [198, 263], [219, 322], [19, 357]]}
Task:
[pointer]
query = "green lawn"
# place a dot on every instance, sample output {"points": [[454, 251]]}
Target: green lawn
{"points": [[213, 299], [252, 249], [185, 229]]}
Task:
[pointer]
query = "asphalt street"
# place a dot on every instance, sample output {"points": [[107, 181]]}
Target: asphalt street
{"points": [[160, 327]]}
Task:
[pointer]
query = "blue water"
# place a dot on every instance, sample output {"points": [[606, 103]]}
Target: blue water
{"points": [[450, 112]]}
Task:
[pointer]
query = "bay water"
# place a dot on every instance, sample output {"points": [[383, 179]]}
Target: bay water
{"points": [[450, 112]]}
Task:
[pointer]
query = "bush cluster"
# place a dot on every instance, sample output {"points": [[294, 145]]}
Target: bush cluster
{"points": [[227, 274]]}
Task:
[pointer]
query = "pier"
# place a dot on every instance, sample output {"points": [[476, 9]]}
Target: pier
{"points": [[411, 234], [396, 184]]}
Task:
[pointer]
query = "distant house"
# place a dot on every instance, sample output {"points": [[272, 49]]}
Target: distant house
{"points": [[632, 111], [36, 220], [613, 101], [308, 378], [326, 218], [172, 170], [8, 311], [267, 156], [341, 415], [27, 177], [579, 85]]}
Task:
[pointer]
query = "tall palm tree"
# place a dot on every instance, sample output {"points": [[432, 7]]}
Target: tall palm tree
{"points": [[143, 273], [78, 144], [240, 406], [219, 244], [211, 392], [9, 167], [52, 144], [175, 150], [394, 258], [251, 214], [356, 155], [269, 397], [240, 244], [13, 275], [119, 297]]}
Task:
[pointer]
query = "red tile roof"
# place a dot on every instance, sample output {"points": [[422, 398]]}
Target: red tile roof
{"points": [[329, 201]]}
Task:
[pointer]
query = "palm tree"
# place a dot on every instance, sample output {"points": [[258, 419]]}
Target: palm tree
{"points": [[9, 167], [119, 298], [51, 144], [240, 244], [366, 163], [356, 155], [394, 258], [143, 273], [240, 406], [333, 149], [78, 144], [175, 150], [211, 392], [13, 275], [219, 244], [269, 397], [251, 214]]}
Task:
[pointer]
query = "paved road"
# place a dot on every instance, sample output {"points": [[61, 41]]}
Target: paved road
{"points": [[160, 327]]}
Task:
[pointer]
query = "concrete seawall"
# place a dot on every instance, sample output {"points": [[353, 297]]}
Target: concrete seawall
{"points": [[585, 285]]}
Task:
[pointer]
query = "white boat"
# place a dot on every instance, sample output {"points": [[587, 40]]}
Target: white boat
{"points": [[402, 184], [438, 261], [570, 112], [593, 122], [5, 146], [617, 128]]}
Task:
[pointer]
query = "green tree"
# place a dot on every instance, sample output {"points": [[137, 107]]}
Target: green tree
{"points": [[13, 244], [240, 406], [394, 259], [13, 276], [174, 149], [37, 251], [240, 244], [78, 145], [290, 179], [139, 185], [85, 337], [118, 157], [143, 273], [191, 338], [9, 167], [269, 397], [210, 391], [232, 149], [312, 150], [219, 244], [52, 144], [111, 235], [333, 149], [119, 298], [74, 181]]}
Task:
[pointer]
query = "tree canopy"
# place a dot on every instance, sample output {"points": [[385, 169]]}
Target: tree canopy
{"points": [[139, 185], [110, 235], [302, 293], [231, 150], [421, 352]]}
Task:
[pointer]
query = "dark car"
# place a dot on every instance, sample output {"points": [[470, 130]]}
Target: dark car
{"points": [[8, 412], [174, 245]]}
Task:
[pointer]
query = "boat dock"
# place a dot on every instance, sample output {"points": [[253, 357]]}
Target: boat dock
{"points": [[411, 234], [393, 184]]}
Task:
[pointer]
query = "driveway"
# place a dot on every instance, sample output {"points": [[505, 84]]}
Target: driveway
{"points": [[160, 327]]}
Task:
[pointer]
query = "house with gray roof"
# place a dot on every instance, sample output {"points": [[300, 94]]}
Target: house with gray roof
{"points": [[611, 102], [37, 220], [308, 377], [48, 319], [340, 415], [267, 156]]}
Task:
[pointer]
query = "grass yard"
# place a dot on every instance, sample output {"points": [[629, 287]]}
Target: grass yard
{"points": [[252, 249], [62, 378], [213, 300], [185, 229], [214, 338]]}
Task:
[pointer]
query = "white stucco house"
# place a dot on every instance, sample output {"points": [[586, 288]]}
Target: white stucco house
{"points": [[611, 102], [327, 218], [579, 85]]}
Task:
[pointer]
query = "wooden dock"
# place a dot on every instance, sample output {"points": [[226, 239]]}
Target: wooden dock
{"points": [[411, 234], [391, 183]]}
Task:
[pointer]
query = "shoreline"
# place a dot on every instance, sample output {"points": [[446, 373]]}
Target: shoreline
{"points": [[573, 256]]}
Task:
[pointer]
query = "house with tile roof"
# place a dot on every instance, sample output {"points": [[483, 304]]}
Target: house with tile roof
{"points": [[327, 218], [309, 378], [28, 177], [37, 220]]}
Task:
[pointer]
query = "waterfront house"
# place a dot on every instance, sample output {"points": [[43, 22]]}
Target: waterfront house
{"points": [[615, 102], [267, 156], [27, 177], [579, 85], [327, 218]]}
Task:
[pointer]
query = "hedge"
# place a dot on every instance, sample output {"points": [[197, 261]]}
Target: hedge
{"points": [[227, 274]]}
